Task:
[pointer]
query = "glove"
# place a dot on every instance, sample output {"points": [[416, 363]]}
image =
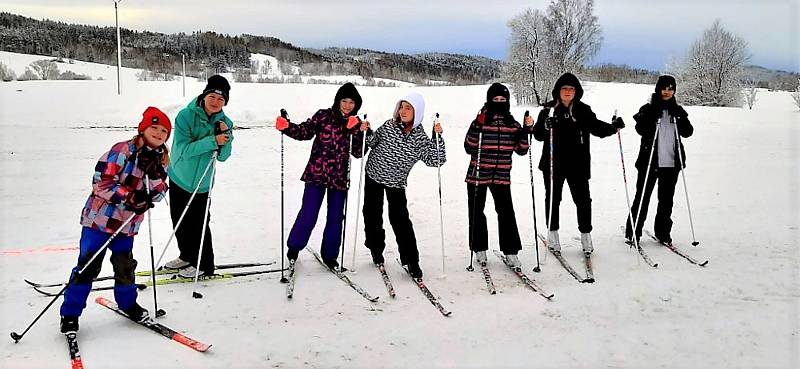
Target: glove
{"points": [[549, 122], [618, 123], [281, 123], [352, 121], [139, 201], [147, 159], [218, 128]]}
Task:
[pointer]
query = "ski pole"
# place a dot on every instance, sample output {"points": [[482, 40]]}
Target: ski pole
{"points": [[17, 336], [358, 199], [346, 193], [474, 200], [196, 294], [644, 189], [180, 219], [550, 209], [625, 177], [685, 188], [285, 115], [533, 199], [439, 174], [159, 312]]}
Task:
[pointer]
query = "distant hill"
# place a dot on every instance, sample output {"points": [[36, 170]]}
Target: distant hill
{"points": [[210, 52]]}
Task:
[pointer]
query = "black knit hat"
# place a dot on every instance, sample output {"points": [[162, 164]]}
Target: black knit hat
{"points": [[497, 89], [665, 81], [347, 91], [567, 79], [218, 85]]}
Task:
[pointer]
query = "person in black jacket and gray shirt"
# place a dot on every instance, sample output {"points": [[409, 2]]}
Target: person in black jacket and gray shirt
{"points": [[664, 113], [571, 123], [395, 147]]}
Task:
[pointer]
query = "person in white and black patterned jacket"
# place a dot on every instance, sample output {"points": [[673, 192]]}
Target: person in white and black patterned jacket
{"points": [[395, 147]]}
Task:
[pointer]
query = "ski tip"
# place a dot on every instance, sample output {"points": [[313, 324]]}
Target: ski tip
{"points": [[203, 348], [588, 280], [448, 314], [703, 263]]}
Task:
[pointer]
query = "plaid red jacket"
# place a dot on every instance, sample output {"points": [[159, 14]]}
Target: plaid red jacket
{"points": [[114, 179]]}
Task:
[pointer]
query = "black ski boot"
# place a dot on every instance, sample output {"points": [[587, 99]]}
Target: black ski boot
{"points": [[414, 270], [69, 324], [137, 313], [377, 257]]}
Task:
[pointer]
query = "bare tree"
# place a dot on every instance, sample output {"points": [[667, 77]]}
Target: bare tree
{"points": [[796, 94], [576, 34], [712, 71], [528, 68], [749, 90], [543, 46], [45, 69], [6, 74]]}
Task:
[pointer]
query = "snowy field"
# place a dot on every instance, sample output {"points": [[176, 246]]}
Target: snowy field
{"points": [[741, 311]]}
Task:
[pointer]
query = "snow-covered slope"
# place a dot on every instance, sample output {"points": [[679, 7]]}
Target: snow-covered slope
{"points": [[739, 312]]}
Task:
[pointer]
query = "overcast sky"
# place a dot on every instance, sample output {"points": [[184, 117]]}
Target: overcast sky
{"points": [[640, 33]]}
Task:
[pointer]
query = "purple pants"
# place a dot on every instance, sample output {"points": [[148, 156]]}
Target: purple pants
{"points": [[307, 219]]}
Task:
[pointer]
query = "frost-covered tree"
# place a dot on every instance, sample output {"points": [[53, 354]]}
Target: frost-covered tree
{"points": [[29, 75], [749, 90], [576, 34], [713, 68], [528, 69], [545, 45], [796, 94], [45, 69], [6, 74]]}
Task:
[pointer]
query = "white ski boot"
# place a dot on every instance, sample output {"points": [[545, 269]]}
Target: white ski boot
{"points": [[586, 242], [513, 261], [552, 241], [480, 256]]}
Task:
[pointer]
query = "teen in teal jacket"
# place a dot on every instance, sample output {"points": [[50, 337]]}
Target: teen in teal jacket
{"points": [[201, 129]]}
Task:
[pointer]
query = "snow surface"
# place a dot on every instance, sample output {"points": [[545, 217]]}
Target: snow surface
{"points": [[740, 312]]}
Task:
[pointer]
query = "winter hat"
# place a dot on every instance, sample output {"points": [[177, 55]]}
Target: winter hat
{"points": [[567, 79], [218, 85], [664, 82], [418, 102], [497, 89], [347, 91], [153, 116]]}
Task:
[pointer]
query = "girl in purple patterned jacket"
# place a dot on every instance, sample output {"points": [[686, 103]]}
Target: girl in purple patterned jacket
{"points": [[333, 130], [119, 193]]}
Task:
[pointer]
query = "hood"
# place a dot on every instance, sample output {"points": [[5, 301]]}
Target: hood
{"points": [[568, 79], [418, 102]]}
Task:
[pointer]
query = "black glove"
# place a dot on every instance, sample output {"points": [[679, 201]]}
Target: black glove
{"points": [[146, 158], [618, 123], [549, 122], [140, 201]]}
